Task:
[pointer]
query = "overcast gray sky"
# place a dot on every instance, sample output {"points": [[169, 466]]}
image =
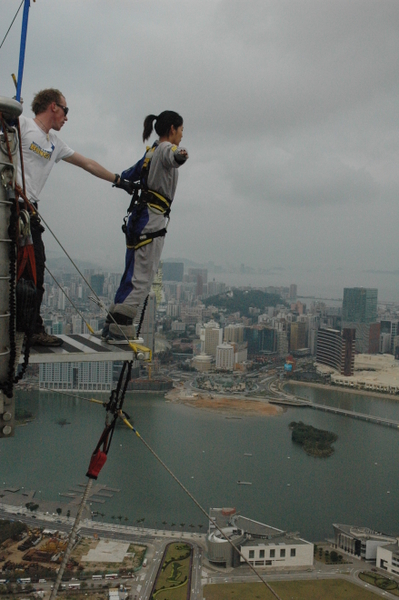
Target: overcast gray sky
{"points": [[290, 117]]}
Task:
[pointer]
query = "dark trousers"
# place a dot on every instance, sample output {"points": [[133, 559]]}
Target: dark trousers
{"points": [[40, 258]]}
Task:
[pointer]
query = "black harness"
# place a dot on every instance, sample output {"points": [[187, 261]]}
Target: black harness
{"points": [[142, 198]]}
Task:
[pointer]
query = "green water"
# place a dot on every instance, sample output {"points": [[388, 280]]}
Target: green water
{"points": [[206, 452]]}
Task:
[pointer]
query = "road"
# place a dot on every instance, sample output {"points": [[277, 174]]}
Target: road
{"points": [[155, 540]]}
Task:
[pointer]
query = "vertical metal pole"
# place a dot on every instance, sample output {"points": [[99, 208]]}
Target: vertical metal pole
{"points": [[8, 141], [24, 32]]}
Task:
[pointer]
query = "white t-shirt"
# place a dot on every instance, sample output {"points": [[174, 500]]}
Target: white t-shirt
{"points": [[40, 154]]}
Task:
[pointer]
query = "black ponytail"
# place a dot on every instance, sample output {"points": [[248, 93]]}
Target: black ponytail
{"points": [[164, 122], [148, 121]]}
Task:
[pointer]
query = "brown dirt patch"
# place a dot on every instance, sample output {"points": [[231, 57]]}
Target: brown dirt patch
{"points": [[236, 406]]}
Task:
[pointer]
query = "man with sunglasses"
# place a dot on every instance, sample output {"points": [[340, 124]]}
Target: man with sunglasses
{"points": [[41, 150]]}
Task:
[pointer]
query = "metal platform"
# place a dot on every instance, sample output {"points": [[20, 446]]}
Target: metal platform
{"points": [[81, 348]]}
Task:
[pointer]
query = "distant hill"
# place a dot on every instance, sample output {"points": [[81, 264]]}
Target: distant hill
{"points": [[242, 300], [62, 263]]}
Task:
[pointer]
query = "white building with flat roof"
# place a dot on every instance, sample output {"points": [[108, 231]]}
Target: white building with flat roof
{"points": [[262, 546], [360, 541], [388, 557], [212, 336], [225, 357]]}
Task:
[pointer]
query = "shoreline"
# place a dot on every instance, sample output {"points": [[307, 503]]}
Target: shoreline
{"points": [[226, 405], [339, 388]]}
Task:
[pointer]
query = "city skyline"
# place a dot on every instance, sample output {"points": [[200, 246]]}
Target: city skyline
{"points": [[242, 275]]}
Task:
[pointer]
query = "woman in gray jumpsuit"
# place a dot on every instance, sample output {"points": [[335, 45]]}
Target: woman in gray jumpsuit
{"points": [[157, 173]]}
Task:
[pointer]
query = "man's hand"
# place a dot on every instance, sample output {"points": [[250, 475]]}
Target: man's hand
{"points": [[125, 184]]}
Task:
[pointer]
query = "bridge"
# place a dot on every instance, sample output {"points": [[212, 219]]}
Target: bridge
{"points": [[299, 402]]}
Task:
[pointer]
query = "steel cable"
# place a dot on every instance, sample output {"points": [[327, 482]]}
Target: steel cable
{"points": [[12, 23]]}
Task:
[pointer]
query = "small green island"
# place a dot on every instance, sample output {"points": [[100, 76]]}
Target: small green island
{"points": [[315, 442]]}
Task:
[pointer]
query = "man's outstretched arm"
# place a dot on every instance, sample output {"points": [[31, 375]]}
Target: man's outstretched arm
{"points": [[91, 166]]}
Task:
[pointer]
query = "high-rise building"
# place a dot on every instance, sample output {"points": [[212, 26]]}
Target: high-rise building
{"points": [[173, 271], [234, 333], [336, 349], [62, 298], [200, 285], [211, 337], [225, 357], [385, 343], [97, 283], [261, 339], [391, 327], [76, 324], [156, 286], [282, 342], [216, 287], [293, 291], [147, 330], [57, 328], [194, 272], [298, 337], [172, 309], [359, 305], [359, 312]]}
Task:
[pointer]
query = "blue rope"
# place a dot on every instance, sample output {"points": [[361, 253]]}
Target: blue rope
{"points": [[24, 32]]}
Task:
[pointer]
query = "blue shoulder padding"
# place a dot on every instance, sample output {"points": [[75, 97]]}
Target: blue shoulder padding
{"points": [[133, 174]]}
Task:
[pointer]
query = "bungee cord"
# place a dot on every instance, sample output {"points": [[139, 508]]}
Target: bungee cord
{"points": [[115, 409]]}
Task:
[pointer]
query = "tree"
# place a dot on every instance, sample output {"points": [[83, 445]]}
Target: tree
{"points": [[334, 556]]}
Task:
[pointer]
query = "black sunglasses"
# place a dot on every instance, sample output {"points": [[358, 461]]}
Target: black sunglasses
{"points": [[64, 108]]}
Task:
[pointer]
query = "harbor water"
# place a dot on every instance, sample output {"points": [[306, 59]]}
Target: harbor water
{"points": [[209, 453]]}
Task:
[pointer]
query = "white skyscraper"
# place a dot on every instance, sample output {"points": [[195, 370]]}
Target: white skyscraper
{"points": [[212, 336], [225, 357]]}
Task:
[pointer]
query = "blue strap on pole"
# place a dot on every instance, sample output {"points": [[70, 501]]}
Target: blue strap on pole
{"points": [[22, 48]]}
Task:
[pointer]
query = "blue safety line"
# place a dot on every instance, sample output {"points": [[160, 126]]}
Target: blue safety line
{"points": [[22, 48]]}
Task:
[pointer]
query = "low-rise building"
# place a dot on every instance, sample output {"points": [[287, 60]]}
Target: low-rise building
{"points": [[388, 557], [360, 541], [202, 362], [377, 373], [261, 545]]}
